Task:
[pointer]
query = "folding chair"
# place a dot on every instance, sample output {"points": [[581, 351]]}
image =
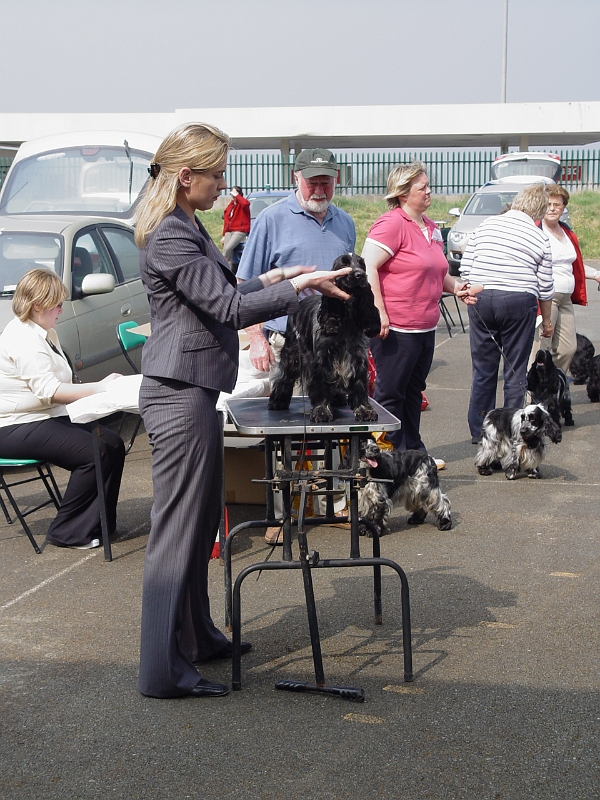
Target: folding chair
{"points": [[44, 474], [130, 341], [446, 314]]}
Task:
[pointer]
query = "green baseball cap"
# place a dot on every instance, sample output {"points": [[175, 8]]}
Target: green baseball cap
{"points": [[316, 162]]}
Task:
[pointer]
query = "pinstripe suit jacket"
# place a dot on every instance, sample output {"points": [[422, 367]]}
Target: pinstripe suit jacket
{"points": [[195, 307]]}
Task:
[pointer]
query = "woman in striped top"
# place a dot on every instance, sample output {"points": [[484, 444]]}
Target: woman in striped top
{"points": [[511, 258]]}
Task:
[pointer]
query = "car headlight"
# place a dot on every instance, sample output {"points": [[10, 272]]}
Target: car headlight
{"points": [[456, 237]]}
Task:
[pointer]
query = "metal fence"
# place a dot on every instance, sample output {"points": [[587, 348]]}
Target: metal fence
{"points": [[366, 173], [450, 172]]}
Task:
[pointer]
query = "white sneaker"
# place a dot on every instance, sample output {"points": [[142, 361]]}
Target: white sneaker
{"points": [[440, 463], [90, 546]]}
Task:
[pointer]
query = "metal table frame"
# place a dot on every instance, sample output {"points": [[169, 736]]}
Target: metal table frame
{"points": [[283, 430]]}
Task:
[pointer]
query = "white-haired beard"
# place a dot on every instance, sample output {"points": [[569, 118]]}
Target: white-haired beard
{"points": [[314, 205]]}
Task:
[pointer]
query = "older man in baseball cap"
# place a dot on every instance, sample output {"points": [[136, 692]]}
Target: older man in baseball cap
{"points": [[302, 229]]}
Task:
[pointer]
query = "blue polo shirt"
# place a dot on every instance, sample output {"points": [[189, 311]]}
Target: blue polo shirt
{"points": [[284, 235]]}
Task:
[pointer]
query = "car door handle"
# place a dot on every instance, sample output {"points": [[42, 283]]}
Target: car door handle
{"points": [[125, 310]]}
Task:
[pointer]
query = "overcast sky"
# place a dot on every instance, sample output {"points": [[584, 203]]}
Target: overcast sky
{"points": [[159, 55]]}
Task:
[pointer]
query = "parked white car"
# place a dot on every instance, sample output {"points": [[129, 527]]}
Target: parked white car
{"points": [[67, 205], [510, 173]]}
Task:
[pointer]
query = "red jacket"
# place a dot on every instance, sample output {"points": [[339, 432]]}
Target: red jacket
{"points": [[237, 216], [579, 296]]}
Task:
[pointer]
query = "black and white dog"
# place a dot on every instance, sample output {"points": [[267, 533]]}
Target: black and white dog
{"points": [[593, 381], [414, 482], [580, 364], [514, 439], [549, 387], [326, 344]]}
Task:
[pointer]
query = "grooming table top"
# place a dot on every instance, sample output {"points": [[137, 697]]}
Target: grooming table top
{"points": [[251, 416]]}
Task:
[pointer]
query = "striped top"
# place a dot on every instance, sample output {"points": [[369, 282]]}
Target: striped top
{"points": [[508, 252]]}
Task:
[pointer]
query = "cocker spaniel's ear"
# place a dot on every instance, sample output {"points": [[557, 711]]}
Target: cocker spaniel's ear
{"points": [[331, 315], [366, 313]]}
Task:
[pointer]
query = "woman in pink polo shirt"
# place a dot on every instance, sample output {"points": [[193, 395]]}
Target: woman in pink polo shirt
{"points": [[408, 271]]}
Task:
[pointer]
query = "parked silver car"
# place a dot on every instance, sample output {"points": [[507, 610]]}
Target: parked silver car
{"points": [[493, 198], [67, 204], [99, 264]]}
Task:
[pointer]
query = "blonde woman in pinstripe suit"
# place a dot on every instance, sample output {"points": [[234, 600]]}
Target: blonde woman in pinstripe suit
{"points": [[191, 356]]}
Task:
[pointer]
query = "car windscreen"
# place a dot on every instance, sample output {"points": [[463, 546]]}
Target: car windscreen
{"points": [[258, 204], [527, 166], [89, 180], [487, 204], [20, 252]]}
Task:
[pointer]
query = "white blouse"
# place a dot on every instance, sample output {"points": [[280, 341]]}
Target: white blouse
{"points": [[30, 373], [563, 256]]}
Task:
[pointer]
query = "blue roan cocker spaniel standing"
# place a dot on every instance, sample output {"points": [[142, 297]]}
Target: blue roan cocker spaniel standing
{"points": [[326, 348]]}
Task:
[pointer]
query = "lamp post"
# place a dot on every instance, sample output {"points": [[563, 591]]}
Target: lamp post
{"points": [[504, 54]]}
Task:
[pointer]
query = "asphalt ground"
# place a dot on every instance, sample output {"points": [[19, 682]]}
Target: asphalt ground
{"points": [[504, 608]]}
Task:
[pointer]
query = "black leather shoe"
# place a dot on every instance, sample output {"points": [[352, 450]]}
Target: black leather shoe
{"points": [[227, 651], [206, 688]]}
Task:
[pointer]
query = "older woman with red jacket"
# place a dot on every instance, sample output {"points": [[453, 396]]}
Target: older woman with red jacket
{"points": [[569, 273]]}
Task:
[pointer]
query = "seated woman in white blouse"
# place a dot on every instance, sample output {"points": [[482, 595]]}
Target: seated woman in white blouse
{"points": [[35, 384], [569, 273]]}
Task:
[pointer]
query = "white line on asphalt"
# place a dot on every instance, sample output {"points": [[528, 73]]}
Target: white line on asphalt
{"points": [[64, 571], [47, 581]]}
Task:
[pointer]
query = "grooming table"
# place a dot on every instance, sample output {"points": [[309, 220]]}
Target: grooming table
{"points": [[288, 434]]}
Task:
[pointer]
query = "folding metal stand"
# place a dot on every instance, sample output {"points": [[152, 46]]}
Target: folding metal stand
{"points": [[282, 430]]}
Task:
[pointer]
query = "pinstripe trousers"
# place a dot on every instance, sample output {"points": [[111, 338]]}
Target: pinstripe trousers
{"points": [[187, 473]]}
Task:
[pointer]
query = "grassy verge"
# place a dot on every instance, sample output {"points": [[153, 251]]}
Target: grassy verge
{"points": [[364, 210]]}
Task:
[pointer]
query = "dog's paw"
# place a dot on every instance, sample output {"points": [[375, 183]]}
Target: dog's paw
{"points": [[278, 405], [534, 473], [570, 422], [511, 473], [444, 524], [365, 414], [416, 519], [484, 470], [320, 414]]}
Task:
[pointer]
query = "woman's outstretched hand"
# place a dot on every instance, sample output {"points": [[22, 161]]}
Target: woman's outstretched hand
{"points": [[323, 282]]}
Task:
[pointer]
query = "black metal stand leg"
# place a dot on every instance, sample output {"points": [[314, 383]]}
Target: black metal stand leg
{"points": [[376, 575], [354, 522], [287, 502], [345, 692], [269, 500], [226, 554], [101, 495], [309, 594]]}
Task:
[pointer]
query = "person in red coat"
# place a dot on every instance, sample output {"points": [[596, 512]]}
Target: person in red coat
{"points": [[236, 222], [569, 273]]}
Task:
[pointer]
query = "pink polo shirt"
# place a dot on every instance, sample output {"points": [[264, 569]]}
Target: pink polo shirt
{"points": [[411, 281]]}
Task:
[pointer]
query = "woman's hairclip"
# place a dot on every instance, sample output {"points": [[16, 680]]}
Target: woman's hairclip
{"points": [[154, 169]]}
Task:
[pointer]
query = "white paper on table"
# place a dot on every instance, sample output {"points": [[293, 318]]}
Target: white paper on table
{"points": [[122, 394]]}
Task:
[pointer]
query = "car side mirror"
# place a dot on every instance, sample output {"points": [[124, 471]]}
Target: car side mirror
{"points": [[97, 284], [454, 212]]}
